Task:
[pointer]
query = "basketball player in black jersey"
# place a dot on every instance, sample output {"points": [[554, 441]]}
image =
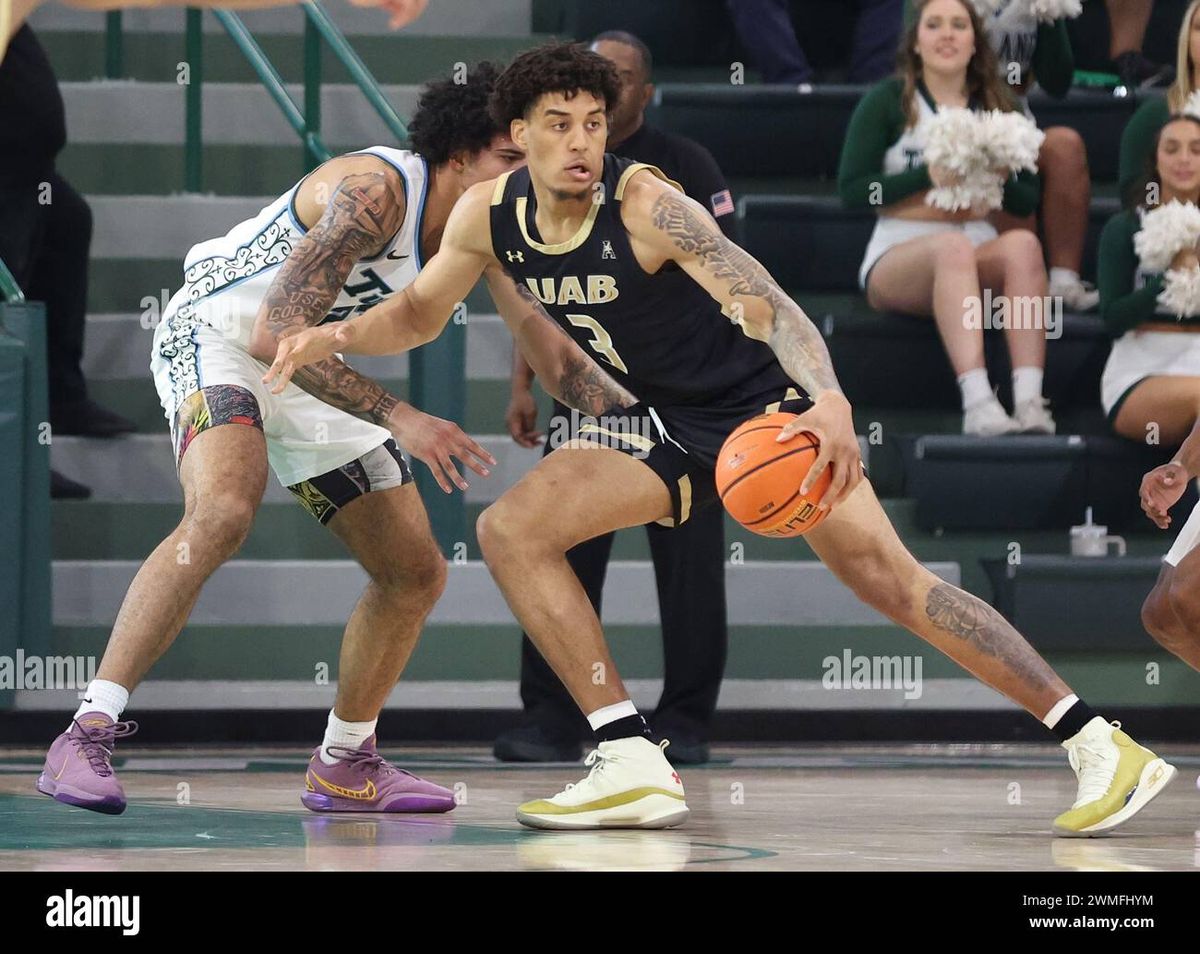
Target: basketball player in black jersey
{"points": [[692, 336]]}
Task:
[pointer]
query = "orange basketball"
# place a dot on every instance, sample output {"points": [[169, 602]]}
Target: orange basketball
{"points": [[759, 479]]}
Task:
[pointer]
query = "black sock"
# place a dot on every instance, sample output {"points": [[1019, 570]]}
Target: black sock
{"points": [[630, 727], [1073, 720]]}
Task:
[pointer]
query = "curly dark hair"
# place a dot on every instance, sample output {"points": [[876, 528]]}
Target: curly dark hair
{"points": [[453, 116], [566, 68]]}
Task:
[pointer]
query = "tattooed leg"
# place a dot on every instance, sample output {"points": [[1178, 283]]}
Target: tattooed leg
{"points": [[858, 543]]}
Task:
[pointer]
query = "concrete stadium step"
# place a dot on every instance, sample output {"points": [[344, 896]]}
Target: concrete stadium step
{"points": [[446, 18], [129, 530], [484, 653], [137, 400], [157, 57], [128, 113], [141, 467], [779, 130], [316, 592], [121, 284], [118, 346]]}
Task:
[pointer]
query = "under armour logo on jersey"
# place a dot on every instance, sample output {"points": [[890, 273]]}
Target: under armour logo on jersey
{"points": [[515, 256], [607, 250]]}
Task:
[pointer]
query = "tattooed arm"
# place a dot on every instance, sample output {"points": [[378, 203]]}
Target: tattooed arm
{"points": [[566, 370], [365, 208], [665, 225]]}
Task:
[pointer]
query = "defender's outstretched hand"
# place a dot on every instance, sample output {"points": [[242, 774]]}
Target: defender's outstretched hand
{"points": [[433, 441], [831, 421], [1161, 490], [304, 347]]}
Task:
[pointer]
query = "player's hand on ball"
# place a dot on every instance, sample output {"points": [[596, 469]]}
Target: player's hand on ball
{"points": [[521, 419], [1161, 490], [403, 12], [434, 442], [831, 421], [304, 347]]}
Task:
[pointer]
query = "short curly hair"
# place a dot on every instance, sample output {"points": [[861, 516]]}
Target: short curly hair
{"points": [[567, 68], [453, 116]]}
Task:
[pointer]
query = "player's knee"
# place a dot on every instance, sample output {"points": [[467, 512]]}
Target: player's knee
{"points": [[219, 525], [495, 530], [1185, 608], [421, 574], [1157, 618]]}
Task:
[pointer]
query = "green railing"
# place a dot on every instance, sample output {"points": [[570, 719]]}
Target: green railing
{"points": [[9, 289], [305, 123], [437, 371]]}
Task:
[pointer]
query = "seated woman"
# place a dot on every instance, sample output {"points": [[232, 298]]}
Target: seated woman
{"points": [[923, 260], [1139, 138], [1151, 384], [1031, 52]]}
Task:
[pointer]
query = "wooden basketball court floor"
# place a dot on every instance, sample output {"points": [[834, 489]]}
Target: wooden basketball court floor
{"points": [[914, 808]]}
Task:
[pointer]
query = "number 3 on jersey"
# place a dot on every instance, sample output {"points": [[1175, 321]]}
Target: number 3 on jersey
{"points": [[601, 342]]}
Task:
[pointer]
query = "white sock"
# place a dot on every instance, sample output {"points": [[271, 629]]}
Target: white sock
{"points": [[975, 386], [618, 710], [104, 696], [1027, 384], [346, 735], [1059, 709], [1063, 276]]}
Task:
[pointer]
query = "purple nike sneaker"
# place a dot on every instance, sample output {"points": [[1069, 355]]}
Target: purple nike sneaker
{"points": [[78, 768], [362, 780]]}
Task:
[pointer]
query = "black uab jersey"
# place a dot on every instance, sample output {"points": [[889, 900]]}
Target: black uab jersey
{"points": [[662, 336]]}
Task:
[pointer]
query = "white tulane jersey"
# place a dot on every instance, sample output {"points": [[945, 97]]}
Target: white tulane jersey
{"points": [[908, 152], [226, 278]]}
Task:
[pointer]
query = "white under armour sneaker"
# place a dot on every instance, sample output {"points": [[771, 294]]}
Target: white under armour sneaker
{"points": [[631, 785], [1033, 417], [1117, 779], [987, 419]]}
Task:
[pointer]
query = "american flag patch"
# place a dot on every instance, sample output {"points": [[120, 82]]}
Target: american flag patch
{"points": [[722, 202]]}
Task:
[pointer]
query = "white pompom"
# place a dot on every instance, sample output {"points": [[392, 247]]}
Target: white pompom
{"points": [[987, 8], [1047, 11], [972, 146], [1165, 232], [1181, 292]]}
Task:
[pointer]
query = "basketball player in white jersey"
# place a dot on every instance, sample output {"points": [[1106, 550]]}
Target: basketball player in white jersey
{"points": [[1171, 613], [352, 233]]}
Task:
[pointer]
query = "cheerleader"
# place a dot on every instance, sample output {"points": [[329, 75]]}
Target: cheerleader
{"points": [[1140, 135], [1149, 275], [1032, 49], [922, 259]]}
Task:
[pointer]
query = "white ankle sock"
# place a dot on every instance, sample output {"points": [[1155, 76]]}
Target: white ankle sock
{"points": [[1027, 384], [618, 710], [1059, 709], [1063, 276], [975, 386], [104, 696], [346, 735]]}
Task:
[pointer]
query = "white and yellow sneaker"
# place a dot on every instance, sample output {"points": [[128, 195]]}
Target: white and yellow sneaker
{"points": [[1117, 779], [631, 785]]}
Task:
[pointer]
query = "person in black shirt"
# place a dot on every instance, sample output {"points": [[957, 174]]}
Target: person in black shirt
{"points": [[45, 234], [689, 561]]}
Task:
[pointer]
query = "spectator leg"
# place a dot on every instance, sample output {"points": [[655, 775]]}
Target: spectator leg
{"points": [[765, 29], [1012, 265], [876, 38], [1163, 408], [1128, 20]]}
